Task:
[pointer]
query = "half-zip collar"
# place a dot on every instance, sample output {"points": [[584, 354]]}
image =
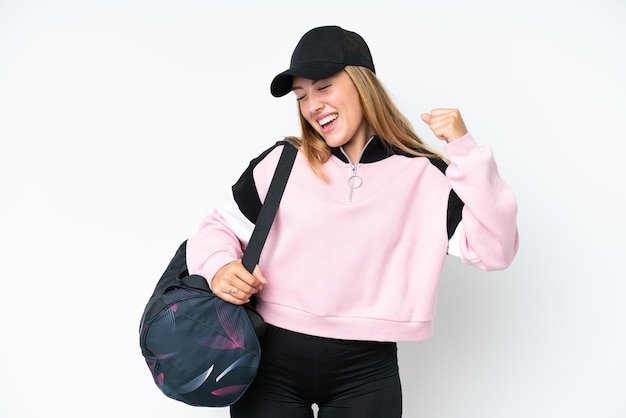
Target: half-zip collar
{"points": [[355, 163], [374, 150], [377, 150]]}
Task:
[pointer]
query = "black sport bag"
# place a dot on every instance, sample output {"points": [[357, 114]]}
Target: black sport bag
{"points": [[200, 349]]}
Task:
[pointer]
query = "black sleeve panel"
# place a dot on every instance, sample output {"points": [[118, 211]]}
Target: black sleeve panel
{"points": [[455, 205], [455, 212], [439, 163], [245, 192]]}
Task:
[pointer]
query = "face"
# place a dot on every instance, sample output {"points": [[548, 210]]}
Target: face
{"points": [[332, 107]]}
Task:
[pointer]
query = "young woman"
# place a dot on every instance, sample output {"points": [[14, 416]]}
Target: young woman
{"points": [[353, 261]]}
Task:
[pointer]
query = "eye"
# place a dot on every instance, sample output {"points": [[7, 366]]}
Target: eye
{"points": [[324, 87], [299, 99]]}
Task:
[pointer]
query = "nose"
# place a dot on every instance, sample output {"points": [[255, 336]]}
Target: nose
{"points": [[312, 104]]}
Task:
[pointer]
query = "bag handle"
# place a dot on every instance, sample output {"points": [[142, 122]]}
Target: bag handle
{"points": [[268, 210]]}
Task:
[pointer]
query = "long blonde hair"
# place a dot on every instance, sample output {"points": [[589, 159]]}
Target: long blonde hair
{"points": [[380, 113]]}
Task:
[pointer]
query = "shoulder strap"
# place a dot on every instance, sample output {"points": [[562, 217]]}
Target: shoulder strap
{"points": [[268, 211]]}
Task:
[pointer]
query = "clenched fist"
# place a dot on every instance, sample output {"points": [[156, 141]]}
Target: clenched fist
{"points": [[446, 124], [235, 284]]}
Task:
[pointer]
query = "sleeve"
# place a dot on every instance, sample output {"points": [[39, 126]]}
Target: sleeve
{"points": [[487, 236], [214, 245], [224, 233]]}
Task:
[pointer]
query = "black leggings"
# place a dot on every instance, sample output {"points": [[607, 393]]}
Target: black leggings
{"points": [[344, 378]]}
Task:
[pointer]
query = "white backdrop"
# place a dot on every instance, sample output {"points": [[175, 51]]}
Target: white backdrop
{"points": [[122, 122]]}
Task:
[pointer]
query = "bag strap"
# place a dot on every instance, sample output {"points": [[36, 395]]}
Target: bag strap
{"points": [[268, 210]]}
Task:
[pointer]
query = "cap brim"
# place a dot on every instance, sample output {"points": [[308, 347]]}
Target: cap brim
{"points": [[281, 85], [283, 82]]}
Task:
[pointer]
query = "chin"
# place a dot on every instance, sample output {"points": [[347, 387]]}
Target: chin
{"points": [[333, 142]]}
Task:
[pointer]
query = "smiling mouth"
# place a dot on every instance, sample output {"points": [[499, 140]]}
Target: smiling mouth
{"points": [[324, 122]]}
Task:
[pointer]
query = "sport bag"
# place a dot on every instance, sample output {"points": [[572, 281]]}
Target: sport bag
{"points": [[200, 349]]}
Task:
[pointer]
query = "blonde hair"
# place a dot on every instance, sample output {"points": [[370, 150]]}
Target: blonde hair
{"points": [[380, 113]]}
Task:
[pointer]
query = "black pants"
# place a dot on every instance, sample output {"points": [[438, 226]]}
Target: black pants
{"points": [[344, 378]]}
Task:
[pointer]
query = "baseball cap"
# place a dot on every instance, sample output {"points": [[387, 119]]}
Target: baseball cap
{"points": [[321, 53]]}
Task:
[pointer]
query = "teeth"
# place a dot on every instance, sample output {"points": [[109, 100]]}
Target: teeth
{"points": [[327, 119]]}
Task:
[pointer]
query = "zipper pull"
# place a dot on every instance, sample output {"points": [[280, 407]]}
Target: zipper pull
{"points": [[354, 182]]}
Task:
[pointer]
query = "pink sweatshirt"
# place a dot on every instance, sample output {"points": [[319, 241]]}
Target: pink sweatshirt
{"points": [[364, 263]]}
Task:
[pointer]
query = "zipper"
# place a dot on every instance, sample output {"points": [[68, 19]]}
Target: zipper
{"points": [[355, 181]]}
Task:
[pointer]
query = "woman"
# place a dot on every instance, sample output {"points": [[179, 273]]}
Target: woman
{"points": [[353, 261]]}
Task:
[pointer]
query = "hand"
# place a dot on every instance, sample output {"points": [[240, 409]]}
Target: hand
{"points": [[235, 284], [446, 124]]}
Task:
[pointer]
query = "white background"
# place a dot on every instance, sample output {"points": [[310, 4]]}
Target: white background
{"points": [[123, 122]]}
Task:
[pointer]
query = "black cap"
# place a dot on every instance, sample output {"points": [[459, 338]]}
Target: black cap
{"points": [[321, 53]]}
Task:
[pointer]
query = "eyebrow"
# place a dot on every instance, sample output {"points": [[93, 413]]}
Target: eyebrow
{"points": [[302, 88]]}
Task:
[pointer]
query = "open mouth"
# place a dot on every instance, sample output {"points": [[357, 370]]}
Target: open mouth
{"points": [[327, 121]]}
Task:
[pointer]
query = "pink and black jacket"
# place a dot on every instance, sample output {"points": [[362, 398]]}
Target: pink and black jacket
{"points": [[361, 257]]}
